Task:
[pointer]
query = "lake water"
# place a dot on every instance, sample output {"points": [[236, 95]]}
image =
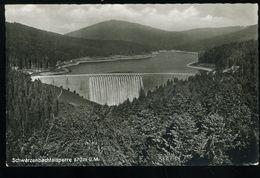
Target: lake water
{"points": [[164, 62]]}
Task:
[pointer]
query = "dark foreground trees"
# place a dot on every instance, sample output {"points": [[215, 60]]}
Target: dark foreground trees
{"points": [[30, 108], [211, 119]]}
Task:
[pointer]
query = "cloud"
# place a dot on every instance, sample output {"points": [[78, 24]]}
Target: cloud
{"points": [[66, 18]]}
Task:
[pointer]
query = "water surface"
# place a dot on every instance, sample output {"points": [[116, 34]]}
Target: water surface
{"points": [[164, 62]]}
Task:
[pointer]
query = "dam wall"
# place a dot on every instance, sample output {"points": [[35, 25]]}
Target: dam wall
{"points": [[79, 84], [112, 88]]}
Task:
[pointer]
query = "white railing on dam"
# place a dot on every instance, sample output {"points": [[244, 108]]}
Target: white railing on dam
{"points": [[111, 88], [111, 74]]}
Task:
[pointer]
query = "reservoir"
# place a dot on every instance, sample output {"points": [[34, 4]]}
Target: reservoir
{"points": [[163, 62]]}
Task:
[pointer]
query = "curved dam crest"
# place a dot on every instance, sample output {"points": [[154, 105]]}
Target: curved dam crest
{"points": [[111, 88]]}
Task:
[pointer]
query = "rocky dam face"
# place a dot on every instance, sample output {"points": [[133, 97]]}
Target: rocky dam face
{"points": [[111, 89]]}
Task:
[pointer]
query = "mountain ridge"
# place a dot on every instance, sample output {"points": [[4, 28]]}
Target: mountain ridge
{"points": [[150, 36], [44, 49]]}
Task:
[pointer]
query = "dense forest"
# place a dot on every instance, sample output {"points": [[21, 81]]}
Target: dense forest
{"points": [[28, 47], [248, 33], [210, 119], [29, 105], [243, 55], [232, 54]]}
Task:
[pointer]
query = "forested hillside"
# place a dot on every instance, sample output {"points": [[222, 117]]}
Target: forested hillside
{"points": [[190, 40], [28, 47], [211, 119], [247, 33], [242, 54], [245, 55], [30, 106], [124, 31]]}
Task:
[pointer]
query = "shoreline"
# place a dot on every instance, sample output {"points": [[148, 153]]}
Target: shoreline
{"points": [[125, 58], [191, 65], [65, 67], [108, 60]]}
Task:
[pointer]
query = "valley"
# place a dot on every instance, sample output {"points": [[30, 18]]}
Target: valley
{"points": [[129, 94]]}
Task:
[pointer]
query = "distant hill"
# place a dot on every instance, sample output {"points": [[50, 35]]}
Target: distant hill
{"points": [[155, 38], [122, 30], [43, 49], [203, 33], [247, 33]]}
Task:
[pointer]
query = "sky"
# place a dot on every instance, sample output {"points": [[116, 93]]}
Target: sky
{"points": [[171, 17]]}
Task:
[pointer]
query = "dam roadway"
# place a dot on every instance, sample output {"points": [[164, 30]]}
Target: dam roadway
{"points": [[111, 74]]}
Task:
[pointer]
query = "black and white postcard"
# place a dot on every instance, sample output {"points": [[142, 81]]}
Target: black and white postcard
{"points": [[131, 84]]}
